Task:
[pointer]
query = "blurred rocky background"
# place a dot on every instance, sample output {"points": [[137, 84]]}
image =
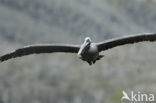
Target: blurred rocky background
{"points": [[63, 78]]}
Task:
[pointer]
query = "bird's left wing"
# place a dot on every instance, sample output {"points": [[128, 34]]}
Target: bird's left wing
{"points": [[125, 40], [37, 49]]}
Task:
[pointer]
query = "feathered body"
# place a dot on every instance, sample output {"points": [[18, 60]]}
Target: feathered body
{"points": [[91, 54], [88, 51]]}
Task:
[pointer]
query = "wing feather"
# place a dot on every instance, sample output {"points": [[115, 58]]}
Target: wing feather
{"points": [[37, 49], [125, 40]]}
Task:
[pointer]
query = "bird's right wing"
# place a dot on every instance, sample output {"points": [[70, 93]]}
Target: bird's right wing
{"points": [[37, 49], [125, 40]]}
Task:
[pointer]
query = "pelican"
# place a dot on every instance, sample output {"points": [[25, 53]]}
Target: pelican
{"points": [[88, 51]]}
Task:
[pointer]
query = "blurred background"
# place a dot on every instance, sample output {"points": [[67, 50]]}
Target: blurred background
{"points": [[64, 78]]}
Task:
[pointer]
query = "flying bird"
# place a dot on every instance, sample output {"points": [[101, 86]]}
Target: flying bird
{"points": [[88, 51]]}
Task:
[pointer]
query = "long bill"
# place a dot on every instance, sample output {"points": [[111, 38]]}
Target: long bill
{"points": [[82, 48]]}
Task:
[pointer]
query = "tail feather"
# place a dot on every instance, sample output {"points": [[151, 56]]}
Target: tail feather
{"points": [[99, 57]]}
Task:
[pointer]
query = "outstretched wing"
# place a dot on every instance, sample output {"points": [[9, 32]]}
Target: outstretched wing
{"points": [[125, 40], [37, 49]]}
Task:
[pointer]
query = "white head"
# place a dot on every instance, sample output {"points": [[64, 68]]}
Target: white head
{"points": [[87, 39], [84, 46]]}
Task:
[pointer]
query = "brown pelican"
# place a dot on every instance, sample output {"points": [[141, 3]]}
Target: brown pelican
{"points": [[88, 51]]}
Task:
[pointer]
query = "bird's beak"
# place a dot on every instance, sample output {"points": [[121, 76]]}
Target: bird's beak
{"points": [[78, 54], [82, 48]]}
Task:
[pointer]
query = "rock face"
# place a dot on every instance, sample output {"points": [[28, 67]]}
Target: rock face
{"points": [[59, 78], [27, 21]]}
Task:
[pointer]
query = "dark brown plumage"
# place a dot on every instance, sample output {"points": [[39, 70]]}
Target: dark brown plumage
{"points": [[88, 51], [130, 39], [37, 49]]}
